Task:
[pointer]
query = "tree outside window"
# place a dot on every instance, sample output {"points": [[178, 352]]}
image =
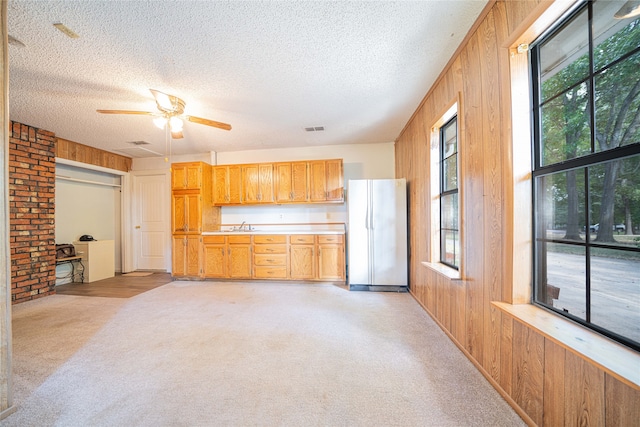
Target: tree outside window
{"points": [[586, 94]]}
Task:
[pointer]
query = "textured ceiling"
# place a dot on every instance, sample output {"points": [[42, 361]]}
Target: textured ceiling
{"points": [[268, 68]]}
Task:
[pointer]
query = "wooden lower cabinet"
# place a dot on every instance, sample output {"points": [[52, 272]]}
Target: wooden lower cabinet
{"points": [[302, 254], [331, 264], [186, 256], [277, 257], [214, 252], [239, 257], [270, 256]]}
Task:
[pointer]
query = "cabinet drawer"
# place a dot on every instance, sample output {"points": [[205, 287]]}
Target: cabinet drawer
{"points": [[263, 272], [301, 239], [267, 259], [330, 238], [270, 249], [239, 239], [266, 238], [213, 239]]}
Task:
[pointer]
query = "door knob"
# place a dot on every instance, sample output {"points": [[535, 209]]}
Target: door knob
{"points": [[137, 226]]}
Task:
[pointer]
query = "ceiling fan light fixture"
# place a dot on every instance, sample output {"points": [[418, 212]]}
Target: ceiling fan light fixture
{"points": [[163, 100], [176, 124], [628, 10], [160, 122]]}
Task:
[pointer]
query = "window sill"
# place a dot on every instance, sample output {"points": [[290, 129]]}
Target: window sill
{"points": [[448, 272], [614, 358]]}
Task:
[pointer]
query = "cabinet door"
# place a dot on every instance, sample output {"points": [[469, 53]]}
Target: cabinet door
{"points": [[335, 181], [186, 176], [179, 213], [239, 261], [235, 185], [299, 182], [186, 256], [317, 181], [179, 256], [265, 183], [302, 264], [194, 249], [331, 262], [186, 209], [221, 185], [194, 213], [283, 191], [194, 176], [250, 183], [214, 260], [178, 176]]}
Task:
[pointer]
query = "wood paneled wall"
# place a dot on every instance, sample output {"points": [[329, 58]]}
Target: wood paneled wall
{"points": [[70, 150], [545, 382]]}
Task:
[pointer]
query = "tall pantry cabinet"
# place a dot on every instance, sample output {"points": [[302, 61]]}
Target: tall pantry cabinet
{"points": [[192, 212]]}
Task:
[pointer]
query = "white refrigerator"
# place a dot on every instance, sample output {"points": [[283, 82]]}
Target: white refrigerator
{"points": [[377, 235]]}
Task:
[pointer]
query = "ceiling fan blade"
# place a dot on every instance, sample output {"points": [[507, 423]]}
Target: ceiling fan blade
{"points": [[177, 135], [208, 122], [146, 113]]}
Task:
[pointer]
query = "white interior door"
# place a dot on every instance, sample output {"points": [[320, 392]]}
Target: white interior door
{"points": [[151, 221]]}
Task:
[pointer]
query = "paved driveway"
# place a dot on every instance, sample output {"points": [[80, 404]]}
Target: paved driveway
{"points": [[615, 290]]}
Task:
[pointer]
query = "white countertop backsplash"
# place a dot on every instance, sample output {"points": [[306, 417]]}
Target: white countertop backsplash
{"points": [[332, 228]]}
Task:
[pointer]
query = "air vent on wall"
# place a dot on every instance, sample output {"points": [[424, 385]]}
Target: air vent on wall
{"points": [[314, 129]]}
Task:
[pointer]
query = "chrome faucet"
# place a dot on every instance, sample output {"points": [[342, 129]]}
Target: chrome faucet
{"points": [[242, 225]]}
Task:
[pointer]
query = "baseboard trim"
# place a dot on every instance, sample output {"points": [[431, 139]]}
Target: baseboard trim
{"points": [[10, 410]]}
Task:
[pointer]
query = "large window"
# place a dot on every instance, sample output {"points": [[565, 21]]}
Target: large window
{"points": [[449, 224], [586, 171]]}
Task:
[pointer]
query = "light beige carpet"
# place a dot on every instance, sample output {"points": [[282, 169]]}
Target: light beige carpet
{"points": [[238, 354], [138, 274]]}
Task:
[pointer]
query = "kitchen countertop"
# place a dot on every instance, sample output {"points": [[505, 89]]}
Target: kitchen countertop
{"points": [[333, 228]]}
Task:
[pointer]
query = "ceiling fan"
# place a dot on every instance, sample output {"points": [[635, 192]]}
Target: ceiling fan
{"points": [[170, 109]]}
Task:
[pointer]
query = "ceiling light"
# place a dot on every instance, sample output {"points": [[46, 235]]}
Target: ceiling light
{"points": [[628, 10], [175, 123], [314, 129], [66, 30], [163, 101], [160, 122]]}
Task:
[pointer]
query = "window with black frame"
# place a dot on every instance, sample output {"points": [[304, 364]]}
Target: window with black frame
{"points": [[586, 171], [449, 224]]}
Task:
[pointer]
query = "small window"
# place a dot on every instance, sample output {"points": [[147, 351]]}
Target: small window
{"points": [[586, 170], [449, 212]]}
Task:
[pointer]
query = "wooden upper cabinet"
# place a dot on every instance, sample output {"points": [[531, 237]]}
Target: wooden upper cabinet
{"points": [[186, 176], [227, 185], [283, 182], [257, 183], [335, 180], [326, 181], [317, 181], [290, 182], [283, 177]]}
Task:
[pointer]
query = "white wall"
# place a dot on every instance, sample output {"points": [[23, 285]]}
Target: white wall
{"points": [[88, 207]]}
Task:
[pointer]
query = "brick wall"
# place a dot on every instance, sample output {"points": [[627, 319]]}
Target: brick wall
{"points": [[31, 212]]}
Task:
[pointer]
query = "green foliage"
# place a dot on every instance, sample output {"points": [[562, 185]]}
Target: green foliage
{"points": [[566, 130]]}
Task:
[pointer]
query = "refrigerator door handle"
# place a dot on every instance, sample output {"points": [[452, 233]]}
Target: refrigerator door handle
{"points": [[366, 218]]}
